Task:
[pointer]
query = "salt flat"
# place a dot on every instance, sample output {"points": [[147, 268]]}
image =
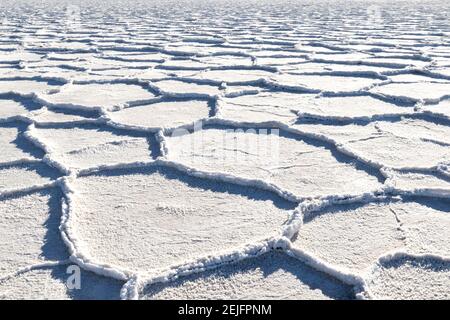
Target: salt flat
{"points": [[197, 150]]}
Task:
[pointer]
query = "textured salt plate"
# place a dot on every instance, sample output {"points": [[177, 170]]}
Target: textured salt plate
{"points": [[354, 236], [324, 82], [51, 283], [233, 76], [29, 230], [11, 108], [82, 148], [162, 114], [408, 278], [204, 39], [116, 73], [254, 114], [420, 183], [187, 50], [426, 226], [270, 276], [16, 57], [105, 78], [183, 64], [46, 116], [56, 72], [415, 78], [341, 134], [15, 73], [441, 62], [426, 91], [182, 74], [268, 53], [351, 236], [305, 168], [109, 153], [44, 63], [398, 62], [280, 100], [61, 46], [341, 57], [92, 96], [442, 109], [229, 61], [148, 57], [397, 42], [344, 108], [302, 47], [68, 56], [97, 63], [185, 89], [216, 50], [417, 129], [25, 87], [25, 176], [312, 67], [278, 61], [153, 74], [399, 152], [167, 218], [263, 107], [405, 144], [237, 90]]}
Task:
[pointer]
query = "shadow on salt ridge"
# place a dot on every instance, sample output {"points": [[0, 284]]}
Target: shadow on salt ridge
{"points": [[17, 141], [54, 248], [32, 219]]}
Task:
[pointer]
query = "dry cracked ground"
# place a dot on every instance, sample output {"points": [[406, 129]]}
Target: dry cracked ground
{"points": [[133, 146]]}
